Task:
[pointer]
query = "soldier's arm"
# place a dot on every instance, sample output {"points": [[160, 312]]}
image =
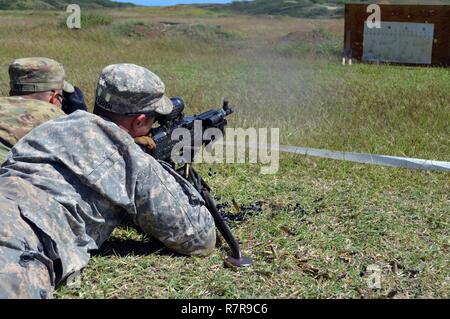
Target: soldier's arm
{"points": [[173, 211]]}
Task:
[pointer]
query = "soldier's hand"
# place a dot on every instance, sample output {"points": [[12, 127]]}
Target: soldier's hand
{"points": [[73, 101], [146, 141]]}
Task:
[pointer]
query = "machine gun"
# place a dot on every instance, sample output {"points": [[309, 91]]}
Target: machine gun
{"points": [[162, 136]]}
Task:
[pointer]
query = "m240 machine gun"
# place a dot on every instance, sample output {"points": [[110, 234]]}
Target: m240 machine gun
{"points": [[182, 162]]}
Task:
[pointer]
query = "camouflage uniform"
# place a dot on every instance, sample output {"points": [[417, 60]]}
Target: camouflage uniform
{"points": [[18, 115], [67, 184]]}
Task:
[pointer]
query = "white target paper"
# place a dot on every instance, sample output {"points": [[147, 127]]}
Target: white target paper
{"points": [[399, 42]]}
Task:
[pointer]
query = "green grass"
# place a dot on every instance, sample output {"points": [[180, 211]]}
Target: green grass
{"points": [[89, 20], [354, 215]]}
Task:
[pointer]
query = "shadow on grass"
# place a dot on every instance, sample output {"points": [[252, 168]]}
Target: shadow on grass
{"points": [[126, 247]]}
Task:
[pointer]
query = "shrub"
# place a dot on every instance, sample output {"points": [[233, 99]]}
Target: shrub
{"points": [[91, 20]]}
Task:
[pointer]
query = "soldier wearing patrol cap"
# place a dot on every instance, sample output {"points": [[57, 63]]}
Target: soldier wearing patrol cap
{"points": [[71, 181], [131, 104], [38, 93]]}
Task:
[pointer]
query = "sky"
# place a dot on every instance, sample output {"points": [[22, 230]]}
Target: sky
{"points": [[173, 2]]}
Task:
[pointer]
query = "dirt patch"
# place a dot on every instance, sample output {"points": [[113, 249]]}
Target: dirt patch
{"points": [[311, 37], [193, 31], [234, 213]]}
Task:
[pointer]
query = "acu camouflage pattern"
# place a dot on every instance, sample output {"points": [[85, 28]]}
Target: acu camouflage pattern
{"points": [[30, 75], [25, 269], [72, 181], [129, 88], [18, 116]]}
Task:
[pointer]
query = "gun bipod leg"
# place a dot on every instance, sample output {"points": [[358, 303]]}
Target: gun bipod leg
{"points": [[236, 258]]}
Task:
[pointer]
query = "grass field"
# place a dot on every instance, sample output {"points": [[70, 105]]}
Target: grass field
{"points": [[321, 222]]}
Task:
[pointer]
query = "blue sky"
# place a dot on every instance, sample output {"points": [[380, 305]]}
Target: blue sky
{"points": [[173, 2]]}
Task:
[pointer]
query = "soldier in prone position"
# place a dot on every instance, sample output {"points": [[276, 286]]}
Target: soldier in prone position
{"points": [[38, 93], [66, 185]]}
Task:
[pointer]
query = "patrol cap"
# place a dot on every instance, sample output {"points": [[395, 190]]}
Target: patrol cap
{"points": [[129, 89], [32, 75]]}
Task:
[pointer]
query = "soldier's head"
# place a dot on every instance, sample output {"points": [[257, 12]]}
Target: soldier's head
{"points": [[132, 97], [38, 78]]}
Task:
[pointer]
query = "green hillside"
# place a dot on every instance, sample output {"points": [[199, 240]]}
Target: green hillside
{"points": [[301, 8], [58, 4]]}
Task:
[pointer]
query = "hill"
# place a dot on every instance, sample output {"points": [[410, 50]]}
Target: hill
{"points": [[58, 4], [301, 8]]}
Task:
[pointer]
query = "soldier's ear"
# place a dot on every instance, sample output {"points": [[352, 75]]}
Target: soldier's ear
{"points": [[137, 125], [139, 120]]}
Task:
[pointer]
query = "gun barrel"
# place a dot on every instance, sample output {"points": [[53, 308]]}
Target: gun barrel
{"points": [[215, 117], [227, 108]]}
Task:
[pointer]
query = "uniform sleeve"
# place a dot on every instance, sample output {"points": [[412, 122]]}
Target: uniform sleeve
{"points": [[171, 210]]}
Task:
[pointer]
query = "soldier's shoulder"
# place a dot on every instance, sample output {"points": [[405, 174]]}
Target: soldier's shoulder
{"points": [[18, 116], [15, 105]]}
